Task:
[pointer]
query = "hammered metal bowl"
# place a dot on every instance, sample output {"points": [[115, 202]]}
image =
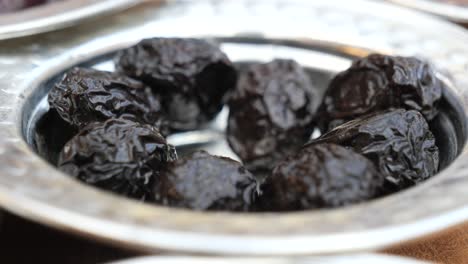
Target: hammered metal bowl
{"points": [[322, 35]]}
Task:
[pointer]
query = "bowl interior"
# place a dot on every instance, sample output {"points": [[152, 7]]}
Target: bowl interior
{"points": [[46, 134]]}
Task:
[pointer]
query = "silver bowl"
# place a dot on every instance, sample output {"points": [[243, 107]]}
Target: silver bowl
{"points": [[322, 35], [454, 12], [57, 15], [348, 259]]}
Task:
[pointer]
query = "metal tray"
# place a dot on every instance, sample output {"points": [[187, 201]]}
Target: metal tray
{"points": [[451, 11], [323, 35], [57, 15]]}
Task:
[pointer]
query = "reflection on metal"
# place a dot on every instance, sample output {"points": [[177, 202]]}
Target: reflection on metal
{"points": [[348, 259]]}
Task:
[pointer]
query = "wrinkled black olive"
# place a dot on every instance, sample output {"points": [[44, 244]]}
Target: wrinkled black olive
{"points": [[201, 181], [271, 113], [320, 176], [380, 82], [399, 143], [87, 95], [52, 132], [191, 76], [117, 155]]}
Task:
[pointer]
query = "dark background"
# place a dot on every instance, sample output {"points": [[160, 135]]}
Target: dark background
{"points": [[22, 241]]}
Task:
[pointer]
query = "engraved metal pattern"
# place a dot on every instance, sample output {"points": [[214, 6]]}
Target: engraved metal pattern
{"points": [[32, 188]]}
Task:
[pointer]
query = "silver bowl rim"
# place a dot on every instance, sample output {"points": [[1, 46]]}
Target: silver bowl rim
{"points": [[57, 15], [31, 188], [351, 258]]}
